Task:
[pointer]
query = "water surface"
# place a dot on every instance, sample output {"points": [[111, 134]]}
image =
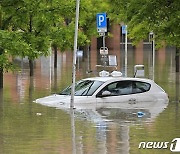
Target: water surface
{"points": [[27, 127]]}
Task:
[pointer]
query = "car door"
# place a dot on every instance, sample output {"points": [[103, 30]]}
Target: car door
{"points": [[143, 98], [117, 94]]}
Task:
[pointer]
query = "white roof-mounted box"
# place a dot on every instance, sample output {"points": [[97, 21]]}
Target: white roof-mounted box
{"points": [[139, 71]]}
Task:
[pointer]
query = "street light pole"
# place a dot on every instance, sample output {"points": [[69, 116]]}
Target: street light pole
{"points": [[126, 51], [153, 46], [104, 56], [74, 55], [152, 39]]}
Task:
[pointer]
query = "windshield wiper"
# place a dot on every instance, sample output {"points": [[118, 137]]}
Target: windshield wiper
{"points": [[66, 91], [87, 90]]}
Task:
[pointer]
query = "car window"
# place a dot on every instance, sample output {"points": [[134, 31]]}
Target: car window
{"points": [[83, 88], [112, 86], [140, 87], [118, 88], [95, 85], [126, 87]]}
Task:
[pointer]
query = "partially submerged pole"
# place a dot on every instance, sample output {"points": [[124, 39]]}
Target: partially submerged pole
{"points": [[153, 55], [74, 55], [73, 131], [152, 38], [1, 71], [126, 51], [1, 52]]}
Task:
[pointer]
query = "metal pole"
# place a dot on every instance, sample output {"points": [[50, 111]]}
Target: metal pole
{"points": [[73, 132], [104, 42], [88, 57], [50, 75], [153, 54], [126, 52], [78, 63], [74, 55], [104, 60]]}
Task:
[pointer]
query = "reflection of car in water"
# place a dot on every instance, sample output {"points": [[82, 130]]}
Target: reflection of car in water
{"points": [[118, 114], [111, 92]]}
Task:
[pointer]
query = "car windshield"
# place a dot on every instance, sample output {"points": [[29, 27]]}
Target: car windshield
{"points": [[83, 88]]}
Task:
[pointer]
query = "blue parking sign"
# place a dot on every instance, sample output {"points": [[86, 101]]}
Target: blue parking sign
{"points": [[124, 29], [101, 22]]}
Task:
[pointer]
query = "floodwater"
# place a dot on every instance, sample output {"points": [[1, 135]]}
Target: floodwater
{"points": [[30, 128]]}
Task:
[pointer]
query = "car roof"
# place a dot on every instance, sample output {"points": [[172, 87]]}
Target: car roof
{"points": [[105, 79]]}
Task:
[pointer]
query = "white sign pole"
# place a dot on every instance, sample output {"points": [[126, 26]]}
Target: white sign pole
{"points": [[104, 61], [153, 46], [126, 52], [74, 55], [73, 131]]}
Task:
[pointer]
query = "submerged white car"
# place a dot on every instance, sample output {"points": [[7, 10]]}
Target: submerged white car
{"points": [[111, 92]]}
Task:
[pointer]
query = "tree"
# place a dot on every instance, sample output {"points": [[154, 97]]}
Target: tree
{"points": [[31, 17], [10, 44], [63, 33], [162, 17], [30, 27]]}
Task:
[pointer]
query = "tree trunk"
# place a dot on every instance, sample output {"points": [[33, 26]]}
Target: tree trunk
{"points": [[31, 88], [1, 78], [31, 66], [1, 72], [55, 56], [1, 52], [177, 59]]}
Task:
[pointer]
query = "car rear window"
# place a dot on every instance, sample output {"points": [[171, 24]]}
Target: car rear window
{"points": [[140, 87]]}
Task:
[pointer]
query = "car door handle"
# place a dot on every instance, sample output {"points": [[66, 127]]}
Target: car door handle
{"points": [[132, 101]]}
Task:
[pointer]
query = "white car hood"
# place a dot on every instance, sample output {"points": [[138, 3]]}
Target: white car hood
{"points": [[63, 101], [53, 100]]}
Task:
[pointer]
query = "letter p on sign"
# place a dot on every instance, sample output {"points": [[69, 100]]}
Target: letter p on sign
{"points": [[101, 20]]}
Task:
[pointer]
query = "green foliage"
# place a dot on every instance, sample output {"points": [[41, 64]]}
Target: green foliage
{"points": [[162, 17], [30, 27], [5, 65], [24, 29], [63, 30], [11, 45], [139, 32]]}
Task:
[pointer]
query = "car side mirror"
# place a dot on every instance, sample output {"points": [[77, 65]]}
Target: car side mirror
{"points": [[105, 94]]}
